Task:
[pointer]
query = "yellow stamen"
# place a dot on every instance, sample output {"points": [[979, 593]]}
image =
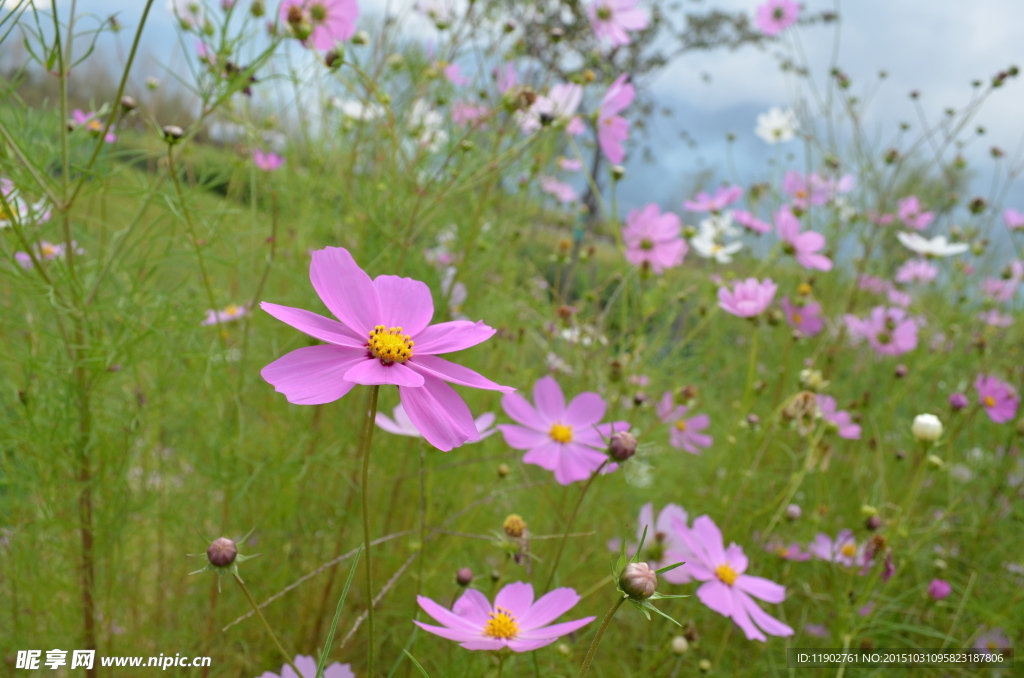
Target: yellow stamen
{"points": [[502, 625], [797, 318], [990, 401], [390, 345], [232, 310], [726, 574], [803, 289], [48, 250], [561, 433], [849, 549], [680, 425]]}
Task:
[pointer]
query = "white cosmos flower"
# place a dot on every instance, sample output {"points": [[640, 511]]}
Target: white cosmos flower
{"points": [[931, 247], [558, 106], [718, 226], [777, 126], [425, 123], [355, 109], [710, 248]]}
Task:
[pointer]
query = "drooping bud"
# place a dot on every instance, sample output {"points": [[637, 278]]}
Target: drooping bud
{"points": [[464, 576], [622, 445], [222, 552], [638, 581], [873, 523]]}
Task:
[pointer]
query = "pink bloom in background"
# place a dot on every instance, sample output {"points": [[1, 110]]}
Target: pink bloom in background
{"points": [[268, 162], [332, 21], [453, 72], [93, 124], [46, 251], [1013, 218], [612, 128], [230, 313], [205, 53], [515, 620], [804, 246], [881, 219], [465, 113], [24, 259], [870, 283], [560, 191], [575, 127], [995, 318], [663, 547], [727, 589], [806, 319], [750, 221], [568, 441], [383, 338], [939, 589], [842, 550], [916, 270], [611, 19], [993, 639], [999, 289], [839, 418], [307, 666], [505, 77], [723, 197], [775, 16], [747, 298], [684, 434], [958, 401], [401, 424], [816, 630], [997, 397], [570, 164], [888, 330], [791, 552], [653, 239], [897, 297], [558, 105], [912, 215], [805, 191]]}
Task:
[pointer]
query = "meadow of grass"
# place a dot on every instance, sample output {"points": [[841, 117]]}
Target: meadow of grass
{"points": [[132, 434]]}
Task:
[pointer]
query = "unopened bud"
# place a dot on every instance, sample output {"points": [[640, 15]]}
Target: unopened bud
{"points": [[173, 133], [622, 445], [873, 523], [514, 525], [901, 371], [361, 38], [257, 8], [935, 461], [618, 171], [128, 103], [638, 581], [222, 552], [679, 645], [704, 665], [503, 470], [793, 512], [464, 576], [334, 58], [927, 428]]}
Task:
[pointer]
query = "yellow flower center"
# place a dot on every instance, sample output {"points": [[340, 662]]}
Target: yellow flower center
{"points": [[726, 574], [849, 549], [797, 318], [390, 345], [48, 250], [94, 125], [680, 425], [716, 248], [990, 401], [803, 289], [232, 310], [501, 625], [800, 194], [561, 433]]}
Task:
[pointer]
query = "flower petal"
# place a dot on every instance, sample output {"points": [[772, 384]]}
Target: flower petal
{"points": [[406, 303], [453, 372], [762, 588], [315, 325], [371, 373], [519, 409], [555, 630], [586, 409], [313, 375], [520, 438], [474, 607], [768, 623], [717, 595], [458, 635], [345, 289], [741, 615], [445, 616], [548, 398], [451, 336], [439, 413], [548, 608], [516, 598]]}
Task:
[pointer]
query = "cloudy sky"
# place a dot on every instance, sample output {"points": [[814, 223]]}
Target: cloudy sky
{"points": [[935, 46]]}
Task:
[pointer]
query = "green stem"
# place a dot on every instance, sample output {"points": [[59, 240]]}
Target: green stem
{"points": [[600, 633], [568, 524], [256, 608], [365, 440]]}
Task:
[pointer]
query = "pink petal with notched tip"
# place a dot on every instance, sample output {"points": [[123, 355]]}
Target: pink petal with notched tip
{"points": [[439, 413], [451, 336], [586, 409], [406, 303], [459, 635], [448, 618], [768, 624], [474, 607], [549, 401], [555, 630], [548, 608], [741, 615], [313, 375], [346, 289], [520, 410], [316, 326], [516, 598], [430, 365], [520, 438]]}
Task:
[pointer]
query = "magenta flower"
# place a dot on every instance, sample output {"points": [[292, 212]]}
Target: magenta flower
{"points": [[805, 191], [805, 318], [997, 397], [889, 331], [842, 550], [775, 16], [804, 246], [323, 22], [93, 124], [791, 552], [268, 162], [750, 221], [870, 283], [515, 620], [401, 424], [723, 197], [958, 401], [383, 338], [916, 270], [230, 313], [999, 289], [612, 18], [839, 418], [1013, 218], [939, 589], [995, 318], [568, 441], [816, 630], [910, 212], [612, 128], [465, 113], [748, 298], [663, 547], [307, 666], [684, 434], [726, 589], [653, 239], [559, 190]]}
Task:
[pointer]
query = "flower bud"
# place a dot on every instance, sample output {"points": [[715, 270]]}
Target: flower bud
{"points": [[128, 104], [514, 525], [679, 645], [618, 171], [622, 446], [172, 133], [638, 581], [334, 58], [793, 512], [503, 470], [958, 401], [361, 38], [257, 8], [939, 589], [704, 665], [873, 523], [900, 371], [935, 461], [927, 428], [222, 552], [464, 576]]}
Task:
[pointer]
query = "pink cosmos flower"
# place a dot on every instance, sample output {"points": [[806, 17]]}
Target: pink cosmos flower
{"points": [[93, 124], [911, 214], [723, 197], [612, 18], [889, 331], [558, 105], [653, 239], [401, 424], [995, 318], [268, 162], [842, 550], [791, 552], [1013, 218], [560, 191], [515, 620], [997, 397], [870, 283], [897, 297], [839, 418], [804, 246], [775, 16], [999, 289], [880, 219], [570, 164], [465, 113], [46, 251], [958, 401], [505, 76], [575, 127], [993, 639], [748, 298], [750, 221], [809, 190], [816, 630], [383, 338], [612, 128], [727, 589], [684, 434], [566, 440], [663, 547], [229, 314], [805, 318], [307, 666], [939, 589], [916, 270], [453, 72], [331, 21]]}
